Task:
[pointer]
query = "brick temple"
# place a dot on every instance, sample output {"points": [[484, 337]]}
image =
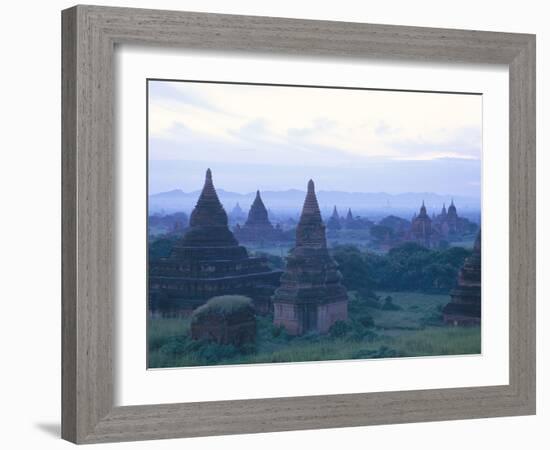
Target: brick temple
{"points": [[207, 262], [257, 227], [465, 305], [311, 296], [421, 227]]}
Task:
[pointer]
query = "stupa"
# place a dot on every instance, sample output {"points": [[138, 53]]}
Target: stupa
{"points": [[465, 305], [257, 228], [207, 262], [311, 296]]}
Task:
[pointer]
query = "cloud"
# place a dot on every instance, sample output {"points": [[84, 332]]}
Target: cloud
{"points": [[335, 127], [173, 93], [462, 143]]}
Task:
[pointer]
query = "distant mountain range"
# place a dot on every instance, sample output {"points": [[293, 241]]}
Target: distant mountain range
{"points": [[291, 201]]}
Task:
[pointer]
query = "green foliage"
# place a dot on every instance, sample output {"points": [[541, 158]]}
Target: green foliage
{"points": [[354, 266], [161, 247], [381, 232], [339, 329], [389, 305], [407, 267]]}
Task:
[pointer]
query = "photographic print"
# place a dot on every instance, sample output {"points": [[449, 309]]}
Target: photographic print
{"points": [[303, 223]]}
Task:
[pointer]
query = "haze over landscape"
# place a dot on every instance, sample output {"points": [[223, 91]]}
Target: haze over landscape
{"points": [[275, 138]]}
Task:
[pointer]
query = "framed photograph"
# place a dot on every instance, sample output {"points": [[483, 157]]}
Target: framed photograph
{"points": [[278, 224]]}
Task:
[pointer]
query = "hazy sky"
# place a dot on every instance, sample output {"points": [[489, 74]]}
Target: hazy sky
{"points": [[274, 138]]}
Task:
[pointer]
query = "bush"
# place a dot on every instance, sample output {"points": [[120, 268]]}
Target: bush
{"points": [[212, 353], [366, 321], [389, 305], [339, 329]]}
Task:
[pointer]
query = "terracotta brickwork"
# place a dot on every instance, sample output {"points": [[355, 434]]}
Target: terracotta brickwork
{"points": [[311, 296]]}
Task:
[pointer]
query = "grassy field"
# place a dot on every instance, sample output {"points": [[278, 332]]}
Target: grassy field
{"points": [[412, 327]]}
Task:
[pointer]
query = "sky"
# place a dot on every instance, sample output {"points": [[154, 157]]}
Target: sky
{"points": [[278, 137]]}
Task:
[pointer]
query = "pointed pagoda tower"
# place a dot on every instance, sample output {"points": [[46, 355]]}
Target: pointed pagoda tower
{"points": [[311, 296], [452, 219], [349, 219], [465, 305], [421, 227], [257, 228], [333, 223], [208, 261]]}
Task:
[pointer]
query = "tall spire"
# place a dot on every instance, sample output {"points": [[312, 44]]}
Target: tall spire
{"points": [[423, 212], [208, 210], [335, 213], [208, 221], [311, 211], [310, 230], [452, 208]]}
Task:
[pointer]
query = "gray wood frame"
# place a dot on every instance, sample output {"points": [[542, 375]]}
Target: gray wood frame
{"points": [[89, 36]]}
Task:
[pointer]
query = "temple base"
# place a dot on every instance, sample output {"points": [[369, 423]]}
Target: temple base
{"points": [[299, 319]]}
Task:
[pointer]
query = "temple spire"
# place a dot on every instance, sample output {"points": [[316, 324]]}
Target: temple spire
{"points": [[208, 210], [258, 213], [311, 212], [310, 230], [423, 212]]}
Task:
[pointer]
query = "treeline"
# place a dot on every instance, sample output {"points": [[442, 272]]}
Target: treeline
{"points": [[408, 267]]}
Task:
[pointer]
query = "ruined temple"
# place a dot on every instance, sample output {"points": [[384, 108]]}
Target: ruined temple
{"points": [[257, 228], [311, 296], [206, 262], [465, 305]]}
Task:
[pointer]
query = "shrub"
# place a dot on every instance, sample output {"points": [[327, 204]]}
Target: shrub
{"points": [[389, 305], [339, 329], [366, 321]]}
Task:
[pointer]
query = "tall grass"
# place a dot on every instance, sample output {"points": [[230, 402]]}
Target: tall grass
{"points": [[407, 332]]}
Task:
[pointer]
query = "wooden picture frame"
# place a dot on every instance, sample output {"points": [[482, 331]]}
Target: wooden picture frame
{"points": [[90, 34]]}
